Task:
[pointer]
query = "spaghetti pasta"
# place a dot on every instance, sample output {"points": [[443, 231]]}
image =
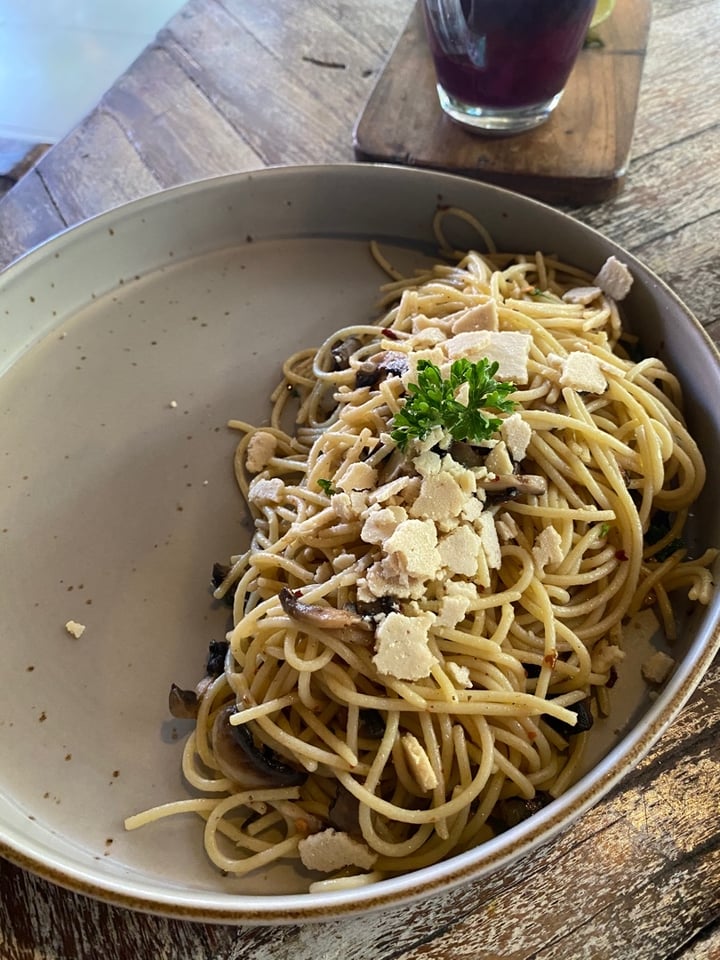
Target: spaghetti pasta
{"points": [[423, 635]]}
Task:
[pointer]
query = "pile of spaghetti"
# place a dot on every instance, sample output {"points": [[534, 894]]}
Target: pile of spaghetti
{"points": [[427, 623]]}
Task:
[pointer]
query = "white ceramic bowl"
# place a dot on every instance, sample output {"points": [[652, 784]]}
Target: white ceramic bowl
{"points": [[115, 503]]}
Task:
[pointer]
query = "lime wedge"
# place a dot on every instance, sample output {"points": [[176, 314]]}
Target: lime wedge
{"points": [[603, 9]]}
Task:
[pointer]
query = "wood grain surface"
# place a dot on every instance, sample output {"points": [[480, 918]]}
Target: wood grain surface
{"points": [[580, 154], [238, 84]]}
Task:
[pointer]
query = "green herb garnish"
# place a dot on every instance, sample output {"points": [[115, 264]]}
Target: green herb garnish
{"points": [[668, 550], [604, 529], [660, 526], [432, 403], [326, 486]]}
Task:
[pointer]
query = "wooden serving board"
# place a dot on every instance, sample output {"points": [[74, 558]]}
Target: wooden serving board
{"points": [[579, 156]]}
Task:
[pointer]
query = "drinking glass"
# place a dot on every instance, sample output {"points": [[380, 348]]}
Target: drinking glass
{"points": [[502, 65]]}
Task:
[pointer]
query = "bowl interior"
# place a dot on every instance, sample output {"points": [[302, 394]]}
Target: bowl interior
{"points": [[127, 345]]}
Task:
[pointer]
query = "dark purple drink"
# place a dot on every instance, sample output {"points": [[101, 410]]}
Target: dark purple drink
{"points": [[505, 56]]}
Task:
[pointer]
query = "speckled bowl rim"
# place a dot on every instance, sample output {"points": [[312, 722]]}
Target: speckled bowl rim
{"points": [[494, 854]]}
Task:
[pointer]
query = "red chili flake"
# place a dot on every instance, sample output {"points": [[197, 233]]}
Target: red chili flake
{"points": [[550, 659], [621, 555], [390, 334], [531, 734]]}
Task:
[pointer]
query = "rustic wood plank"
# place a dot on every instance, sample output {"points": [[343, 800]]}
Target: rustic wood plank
{"points": [[656, 201], [281, 119], [335, 38], [677, 101], [666, 8], [705, 946], [165, 116], [27, 217], [73, 927], [93, 169], [375, 23], [687, 260]]}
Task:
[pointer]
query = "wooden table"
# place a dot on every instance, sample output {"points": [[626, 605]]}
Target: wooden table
{"points": [[637, 877]]}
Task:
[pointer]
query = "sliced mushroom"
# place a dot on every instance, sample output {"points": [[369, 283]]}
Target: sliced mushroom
{"points": [[524, 483], [375, 608], [219, 574], [326, 618], [344, 812], [217, 652], [388, 363], [372, 724], [501, 496], [183, 704], [343, 350], [584, 720], [243, 762], [393, 466], [514, 810], [504, 486], [467, 454]]}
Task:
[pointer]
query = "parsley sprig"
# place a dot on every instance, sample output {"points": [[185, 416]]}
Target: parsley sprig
{"points": [[326, 486], [432, 402]]}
